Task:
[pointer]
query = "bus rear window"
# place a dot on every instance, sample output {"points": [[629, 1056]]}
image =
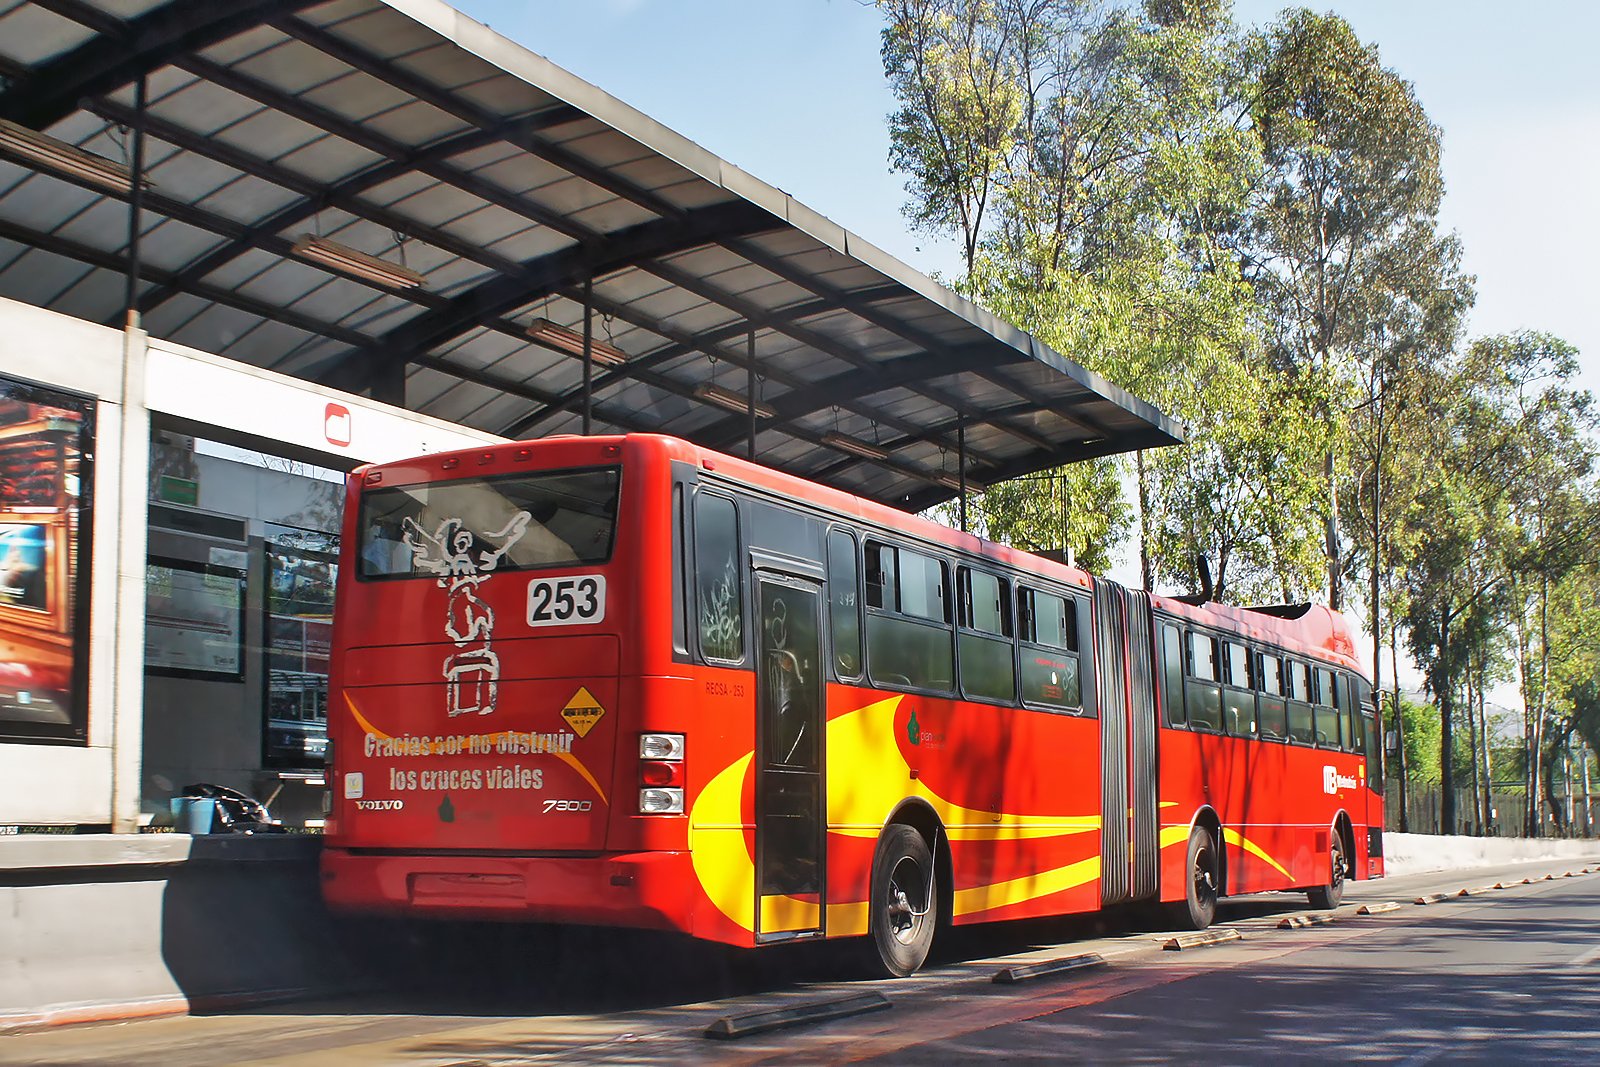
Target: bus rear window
{"points": [[509, 522]]}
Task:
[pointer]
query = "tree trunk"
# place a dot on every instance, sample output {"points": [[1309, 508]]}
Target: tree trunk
{"points": [[1588, 798], [1334, 599], [1399, 728], [1472, 754], [1544, 687], [1442, 691], [1483, 747], [1142, 476]]}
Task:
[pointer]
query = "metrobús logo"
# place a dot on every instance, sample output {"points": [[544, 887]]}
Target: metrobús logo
{"points": [[380, 805], [1333, 781]]}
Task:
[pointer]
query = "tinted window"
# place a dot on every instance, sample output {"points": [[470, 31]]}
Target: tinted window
{"points": [[987, 667], [1051, 620], [844, 608], [1172, 674], [905, 652], [1050, 676], [720, 604], [986, 603], [1301, 727], [882, 582], [510, 522], [1238, 698], [922, 587], [1271, 677], [1203, 657], [1274, 717]]}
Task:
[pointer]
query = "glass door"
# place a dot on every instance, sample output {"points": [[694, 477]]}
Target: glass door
{"points": [[789, 795]]}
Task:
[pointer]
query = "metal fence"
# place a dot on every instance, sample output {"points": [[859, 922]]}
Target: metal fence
{"points": [[1506, 818]]}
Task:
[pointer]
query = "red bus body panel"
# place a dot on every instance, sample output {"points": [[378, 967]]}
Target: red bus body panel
{"points": [[530, 811]]}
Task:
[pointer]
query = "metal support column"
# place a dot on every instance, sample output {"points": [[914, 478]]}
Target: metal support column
{"points": [[750, 395], [588, 354], [961, 462], [135, 207]]}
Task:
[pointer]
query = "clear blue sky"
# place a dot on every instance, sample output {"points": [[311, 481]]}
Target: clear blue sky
{"points": [[793, 91]]}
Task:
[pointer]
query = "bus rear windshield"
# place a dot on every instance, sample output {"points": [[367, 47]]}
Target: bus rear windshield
{"points": [[509, 522]]}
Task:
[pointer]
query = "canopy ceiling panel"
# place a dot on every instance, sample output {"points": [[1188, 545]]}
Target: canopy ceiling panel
{"points": [[384, 196]]}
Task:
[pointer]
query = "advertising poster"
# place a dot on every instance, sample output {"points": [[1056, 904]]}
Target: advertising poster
{"points": [[46, 453]]}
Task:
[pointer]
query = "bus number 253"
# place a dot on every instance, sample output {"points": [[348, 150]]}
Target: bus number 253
{"points": [[575, 600]]}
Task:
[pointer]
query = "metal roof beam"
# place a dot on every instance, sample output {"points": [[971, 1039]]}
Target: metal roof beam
{"points": [[359, 135], [762, 318], [504, 293], [451, 104], [343, 195], [113, 261], [681, 342], [123, 51], [925, 341]]}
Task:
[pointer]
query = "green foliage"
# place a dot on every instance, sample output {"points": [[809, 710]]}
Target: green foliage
{"points": [[1242, 227], [1421, 741]]}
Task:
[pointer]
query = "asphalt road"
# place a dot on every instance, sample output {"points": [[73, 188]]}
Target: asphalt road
{"points": [[1505, 976]]}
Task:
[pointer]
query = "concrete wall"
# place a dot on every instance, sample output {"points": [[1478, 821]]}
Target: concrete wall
{"points": [[115, 926], [1414, 853]]}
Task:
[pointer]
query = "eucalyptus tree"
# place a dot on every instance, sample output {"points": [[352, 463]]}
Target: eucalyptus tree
{"points": [[1348, 209], [1095, 160]]}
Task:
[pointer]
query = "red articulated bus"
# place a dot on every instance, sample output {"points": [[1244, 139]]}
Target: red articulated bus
{"points": [[628, 681]]}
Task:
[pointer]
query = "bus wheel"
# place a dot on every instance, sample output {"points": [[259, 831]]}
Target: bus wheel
{"points": [[904, 903], [1199, 908], [1328, 896]]}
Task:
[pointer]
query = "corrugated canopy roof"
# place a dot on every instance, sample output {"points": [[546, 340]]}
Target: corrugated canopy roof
{"points": [[278, 132]]}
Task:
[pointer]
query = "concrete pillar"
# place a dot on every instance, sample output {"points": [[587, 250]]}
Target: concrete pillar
{"points": [[132, 501]]}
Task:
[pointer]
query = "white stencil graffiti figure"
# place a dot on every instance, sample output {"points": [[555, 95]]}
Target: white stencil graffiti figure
{"points": [[472, 674]]}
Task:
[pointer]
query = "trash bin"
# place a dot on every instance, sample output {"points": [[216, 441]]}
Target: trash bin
{"points": [[193, 815]]}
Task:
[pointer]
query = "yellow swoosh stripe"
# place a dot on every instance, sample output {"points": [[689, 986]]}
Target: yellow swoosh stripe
{"points": [[862, 794], [1233, 837], [1028, 887], [1171, 835]]}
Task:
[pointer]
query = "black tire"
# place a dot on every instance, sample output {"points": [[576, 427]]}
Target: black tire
{"points": [[1327, 897], [1204, 885], [904, 903]]}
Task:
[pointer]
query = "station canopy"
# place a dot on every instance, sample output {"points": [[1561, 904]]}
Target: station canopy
{"points": [[386, 197]]}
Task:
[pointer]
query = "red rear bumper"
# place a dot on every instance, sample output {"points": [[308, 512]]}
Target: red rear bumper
{"points": [[648, 890]]}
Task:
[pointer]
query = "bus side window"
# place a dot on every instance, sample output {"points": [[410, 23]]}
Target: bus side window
{"points": [[1050, 668], [680, 635], [1172, 674], [844, 604], [1302, 729], [983, 643], [719, 586], [1274, 713], [1327, 710], [1238, 697], [1358, 693], [909, 630], [1203, 692]]}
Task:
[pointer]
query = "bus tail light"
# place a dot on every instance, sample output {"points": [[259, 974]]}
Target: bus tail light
{"points": [[661, 774], [661, 802], [661, 747]]}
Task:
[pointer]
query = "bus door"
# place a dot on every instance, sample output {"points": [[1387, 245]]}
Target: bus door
{"points": [[1124, 666], [790, 799]]}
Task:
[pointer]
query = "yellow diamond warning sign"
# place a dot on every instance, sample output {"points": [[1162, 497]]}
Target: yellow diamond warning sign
{"points": [[582, 712]]}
